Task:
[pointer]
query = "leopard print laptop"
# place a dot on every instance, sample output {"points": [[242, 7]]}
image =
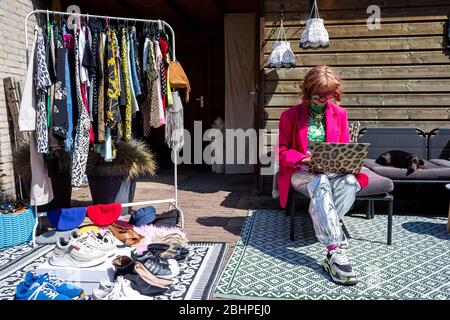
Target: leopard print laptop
{"points": [[338, 157]]}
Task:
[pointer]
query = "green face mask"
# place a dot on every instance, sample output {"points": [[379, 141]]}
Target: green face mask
{"points": [[316, 108]]}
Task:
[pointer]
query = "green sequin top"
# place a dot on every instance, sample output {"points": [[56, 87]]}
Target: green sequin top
{"points": [[316, 130]]}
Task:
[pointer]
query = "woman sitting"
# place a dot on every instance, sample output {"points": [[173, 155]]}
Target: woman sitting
{"points": [[318, 119]]}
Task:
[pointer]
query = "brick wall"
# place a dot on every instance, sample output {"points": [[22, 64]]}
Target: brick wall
{"points": [[12, 64]]}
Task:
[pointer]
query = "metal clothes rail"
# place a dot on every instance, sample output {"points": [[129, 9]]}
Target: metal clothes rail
{"points": [[173, 202]]}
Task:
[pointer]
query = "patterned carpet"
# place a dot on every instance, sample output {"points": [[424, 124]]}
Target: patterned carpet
{"points": [[198, 272], [267, 265]]}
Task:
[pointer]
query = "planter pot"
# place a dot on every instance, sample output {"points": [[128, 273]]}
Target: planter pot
{"points": [[109, 189]]}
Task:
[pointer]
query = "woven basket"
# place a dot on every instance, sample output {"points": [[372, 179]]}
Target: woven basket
{"points": [[16, 228]]}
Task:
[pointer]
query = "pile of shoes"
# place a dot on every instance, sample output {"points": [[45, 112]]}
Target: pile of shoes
{"points": [[142, 279], [15, 207], [46, 287], [171, 246], [83, 250], [119, 290]]}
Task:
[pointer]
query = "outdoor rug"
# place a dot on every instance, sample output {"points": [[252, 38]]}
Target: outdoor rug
{"points": [[266, 265], [198, 272]]}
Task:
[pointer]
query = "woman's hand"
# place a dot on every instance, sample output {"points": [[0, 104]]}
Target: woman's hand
{"points": [[304, 161]]}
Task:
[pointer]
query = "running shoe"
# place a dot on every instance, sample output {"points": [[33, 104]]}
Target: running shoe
{"points": [[76, 253], [60, 286], [104, 243], [158, 266], [340, 270], [38, 291], [120, 290]]}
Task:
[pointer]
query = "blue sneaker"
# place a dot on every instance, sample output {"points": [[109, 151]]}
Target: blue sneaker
{"points": [[64, 288], [38, 291]]}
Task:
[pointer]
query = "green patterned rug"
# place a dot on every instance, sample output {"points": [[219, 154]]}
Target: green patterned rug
{"points": [[267, 265]]}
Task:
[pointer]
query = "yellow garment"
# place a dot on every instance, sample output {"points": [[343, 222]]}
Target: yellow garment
{"points": [[169, 91], [128, 112], [89, 228]]}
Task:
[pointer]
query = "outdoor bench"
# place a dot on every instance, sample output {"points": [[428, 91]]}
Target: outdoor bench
{"points": [[433, 148]]}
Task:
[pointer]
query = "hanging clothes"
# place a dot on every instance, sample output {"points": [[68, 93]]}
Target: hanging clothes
{"points": [[127, 83], [82, 137], [174, 128], [151, 112], [134, 62], [95, 27], [137, 61], [113, 119], [68, 47], [158, 59], [145, 56], [101, 90], [147, 72], [84, 76], [90, 64], [43, 81], [169, 89], [60, 113], [27, 111], [164, 47], [55, 143], [134, 103], [41, 191]]}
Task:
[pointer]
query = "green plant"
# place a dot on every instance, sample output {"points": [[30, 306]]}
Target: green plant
{"points": [[133, 159]]}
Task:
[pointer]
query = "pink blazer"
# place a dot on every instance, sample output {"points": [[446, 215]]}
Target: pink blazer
{"points": [[293, 141]]}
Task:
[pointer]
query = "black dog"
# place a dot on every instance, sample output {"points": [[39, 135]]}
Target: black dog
{"points": [[401, 159]]}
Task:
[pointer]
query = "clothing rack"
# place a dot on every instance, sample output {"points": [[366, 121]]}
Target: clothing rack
{"points": [[173, 202]]}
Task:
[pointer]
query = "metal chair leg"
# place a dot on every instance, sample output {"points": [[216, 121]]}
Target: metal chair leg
{"points": [[390, 212], [288, 205], [344, 229], [372, 209], [369, 209], [292, 213]]}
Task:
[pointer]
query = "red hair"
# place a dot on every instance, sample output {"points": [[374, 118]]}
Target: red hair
{"points": [[321, 79]]}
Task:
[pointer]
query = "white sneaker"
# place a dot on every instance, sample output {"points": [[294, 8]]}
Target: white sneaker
{"points": [[76, 253], [109, 291], [120, 290], [129, 293], [174, 268], [101, 243]]}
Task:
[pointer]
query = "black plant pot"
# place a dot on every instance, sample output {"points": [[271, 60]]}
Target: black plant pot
{"points": [[109, 189]]}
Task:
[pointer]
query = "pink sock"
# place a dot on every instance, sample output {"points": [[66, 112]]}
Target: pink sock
{"points": [[333, 246]]}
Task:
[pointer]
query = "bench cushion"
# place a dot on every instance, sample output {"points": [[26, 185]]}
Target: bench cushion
{"points": [[441, 162], [377, 184], [432, 171]]}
